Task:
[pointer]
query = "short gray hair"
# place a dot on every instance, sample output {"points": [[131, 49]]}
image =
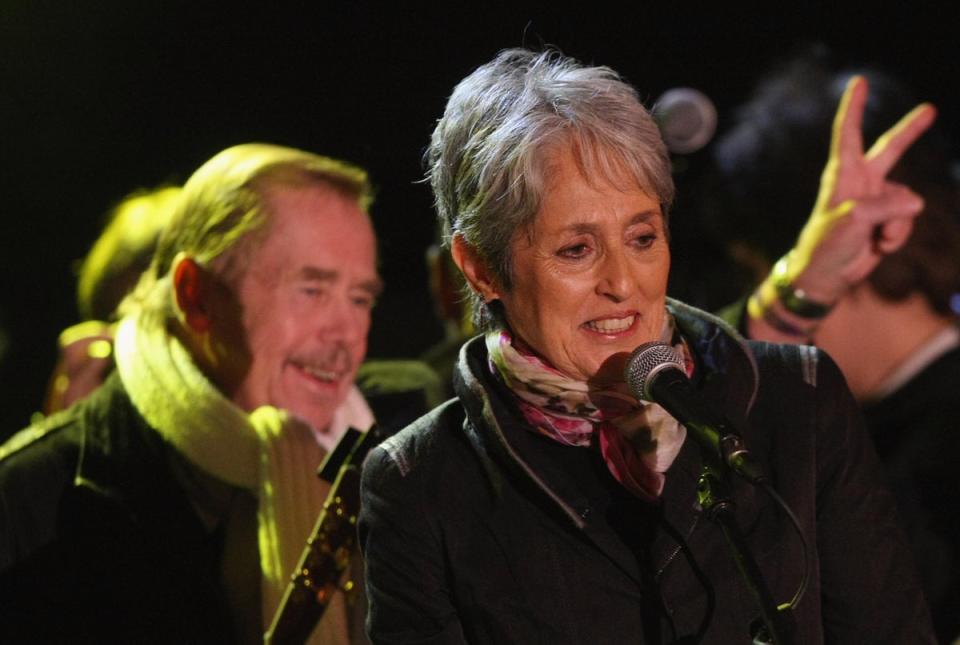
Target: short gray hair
{"points": [[487, 157], [220, 216]]}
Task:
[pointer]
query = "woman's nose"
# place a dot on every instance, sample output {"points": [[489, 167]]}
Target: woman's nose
{"points": [[616, 281]]}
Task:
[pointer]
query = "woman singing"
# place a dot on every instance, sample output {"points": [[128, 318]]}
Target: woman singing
{"points": [[546, 503]]}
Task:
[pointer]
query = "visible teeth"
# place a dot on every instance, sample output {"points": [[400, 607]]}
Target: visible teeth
{"points": [[323, 375], [611, 325]]}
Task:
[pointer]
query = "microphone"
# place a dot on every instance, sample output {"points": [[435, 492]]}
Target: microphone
{"points": [[655, 373], [687, 119]]}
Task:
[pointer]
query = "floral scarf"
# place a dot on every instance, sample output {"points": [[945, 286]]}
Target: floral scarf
{"points": [[638, 440]]}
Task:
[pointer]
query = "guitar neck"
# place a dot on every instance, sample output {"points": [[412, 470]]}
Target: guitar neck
{"points": [[323, 564]]}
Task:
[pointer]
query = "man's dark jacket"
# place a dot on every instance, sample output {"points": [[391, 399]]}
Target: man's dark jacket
{"points": [[98, 543], [476, 529]]}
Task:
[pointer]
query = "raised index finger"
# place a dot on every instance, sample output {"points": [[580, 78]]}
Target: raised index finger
{"points": [[891, 145], [846, 142]]}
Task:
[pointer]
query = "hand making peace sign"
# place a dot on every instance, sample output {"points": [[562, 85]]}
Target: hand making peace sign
{"points": [[859, 215]]}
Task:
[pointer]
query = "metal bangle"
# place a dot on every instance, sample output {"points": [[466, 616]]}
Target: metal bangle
{"points": [[795, 300], [757, 311]]}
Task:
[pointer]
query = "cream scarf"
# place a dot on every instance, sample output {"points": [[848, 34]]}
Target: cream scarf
{"points": [[269, 452]]}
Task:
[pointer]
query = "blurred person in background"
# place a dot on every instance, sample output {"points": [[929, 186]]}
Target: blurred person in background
{"points": [[877, 289], [109, 271], [454, 312]]}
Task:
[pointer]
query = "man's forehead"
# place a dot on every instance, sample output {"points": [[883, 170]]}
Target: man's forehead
{"points": [[279, 190], [319, 233], [318, 206]]}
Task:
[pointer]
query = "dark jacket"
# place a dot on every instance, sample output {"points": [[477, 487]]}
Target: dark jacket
{"points": [[477, 530], [97, 541], [100, 544], [917, 434], [916, 431]]}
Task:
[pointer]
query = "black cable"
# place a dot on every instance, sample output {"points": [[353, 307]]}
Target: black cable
{"points": [[803, 542]]}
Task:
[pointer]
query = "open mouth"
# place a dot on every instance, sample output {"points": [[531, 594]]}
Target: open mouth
{"points": [[611, 326], [321, 375]]}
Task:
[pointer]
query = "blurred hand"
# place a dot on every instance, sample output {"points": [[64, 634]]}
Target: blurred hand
{"points": [[86, 359], [859, 215]]}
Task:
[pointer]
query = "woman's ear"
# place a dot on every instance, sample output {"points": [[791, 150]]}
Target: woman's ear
{"points": [[474, 268], [191, 293]]}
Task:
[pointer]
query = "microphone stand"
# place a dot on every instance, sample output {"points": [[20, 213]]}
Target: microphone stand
{"points": [[778, 627], [655, 372]]}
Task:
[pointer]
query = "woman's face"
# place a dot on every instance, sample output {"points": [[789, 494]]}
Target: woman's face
{"points": [[590, 275]]}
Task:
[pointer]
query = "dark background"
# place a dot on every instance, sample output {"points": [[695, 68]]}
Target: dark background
{"points": [[98, 98]]}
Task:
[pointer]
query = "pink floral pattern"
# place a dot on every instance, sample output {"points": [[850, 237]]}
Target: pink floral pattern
{"points": [[638, 440]]}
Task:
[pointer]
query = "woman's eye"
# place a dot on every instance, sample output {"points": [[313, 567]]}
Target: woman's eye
{"points": [[574, 251], [644, 241]]}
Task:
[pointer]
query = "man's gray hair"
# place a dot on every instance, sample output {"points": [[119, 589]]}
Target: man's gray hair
{"points": [[488, 156], [220, 217]]}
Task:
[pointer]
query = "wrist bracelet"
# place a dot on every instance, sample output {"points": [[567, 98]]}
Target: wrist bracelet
{"points": [[795, 300], [757, 311]]}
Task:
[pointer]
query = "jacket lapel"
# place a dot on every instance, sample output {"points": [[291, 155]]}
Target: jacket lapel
{"points": [[726, 375], [516, 448]]}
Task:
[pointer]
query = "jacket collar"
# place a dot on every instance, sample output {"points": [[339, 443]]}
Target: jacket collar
{"points": [[725, 374], [121, 458]]}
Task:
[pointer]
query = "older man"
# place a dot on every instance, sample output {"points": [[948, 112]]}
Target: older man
{"points": [[173, 503]]}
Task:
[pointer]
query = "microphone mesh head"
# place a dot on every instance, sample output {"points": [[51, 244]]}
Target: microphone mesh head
{"points": [[645, 361]]}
